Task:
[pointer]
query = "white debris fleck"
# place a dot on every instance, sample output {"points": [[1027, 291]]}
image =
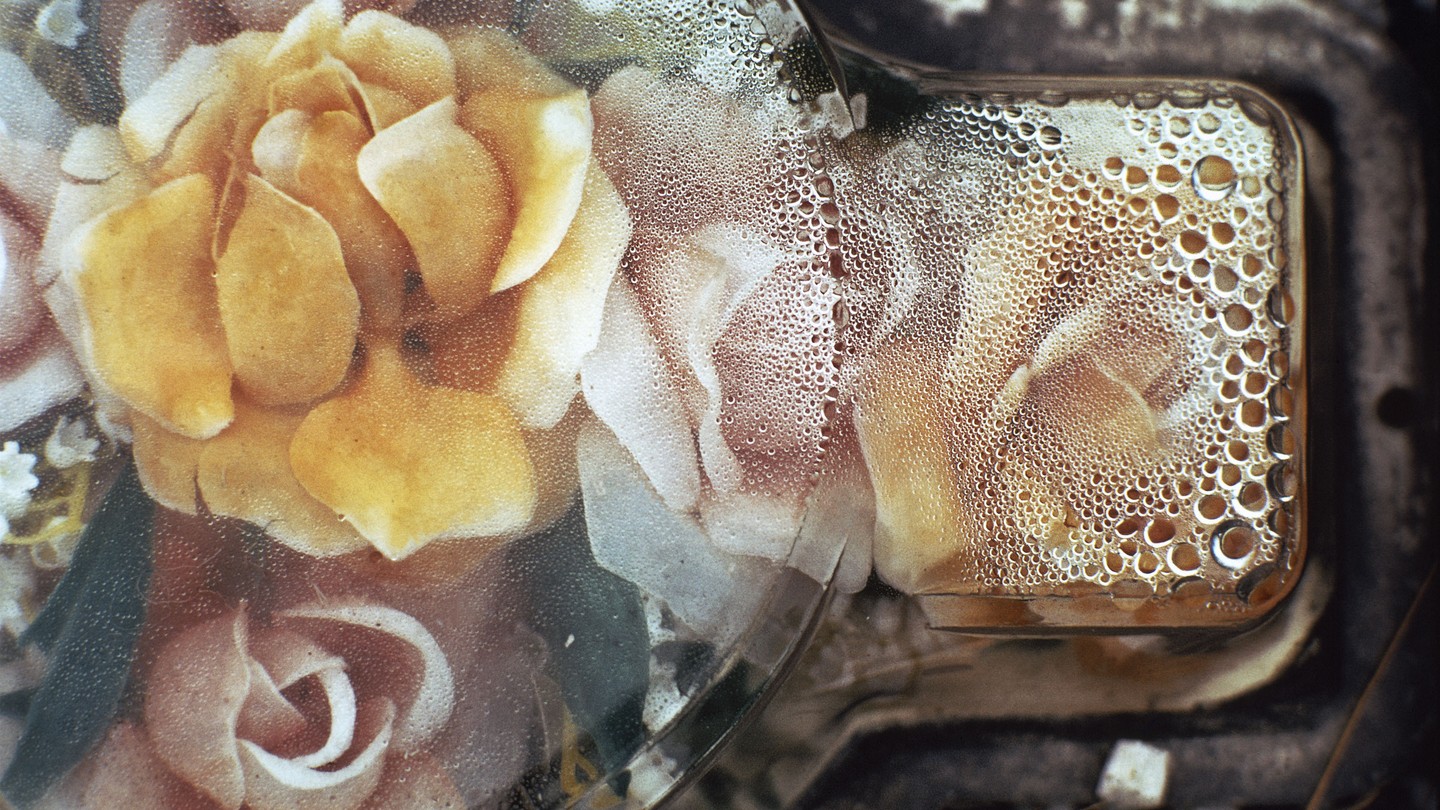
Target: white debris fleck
{"points": [[1075, 13], [1135, 776], [652, 777], [951, 9]]}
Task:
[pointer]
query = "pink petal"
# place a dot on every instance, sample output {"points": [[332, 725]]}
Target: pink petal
{"points": [[435, 695], [275, 783], [415, 782], [192, 707], [267, 717], [290, 657], [775, 362], [679, 153], [125, 773], [340, 697], [29, 173], [279, 659]]}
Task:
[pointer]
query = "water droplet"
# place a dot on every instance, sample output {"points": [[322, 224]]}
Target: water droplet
{"points": [[1233, 545], [1214, 178]]}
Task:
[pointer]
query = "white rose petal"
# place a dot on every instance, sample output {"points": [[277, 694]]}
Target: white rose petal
{"points": [[634, 535], [155, 37], [70, 444], [27, 112], [628, 386]]}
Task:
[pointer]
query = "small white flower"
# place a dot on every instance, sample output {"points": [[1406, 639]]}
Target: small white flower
{"points": [[70, 444], [16, 481], [60, 23]]}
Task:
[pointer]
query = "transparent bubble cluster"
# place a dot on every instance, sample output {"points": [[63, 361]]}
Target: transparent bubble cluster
{"points": [[1088, 299], [716, 147]]}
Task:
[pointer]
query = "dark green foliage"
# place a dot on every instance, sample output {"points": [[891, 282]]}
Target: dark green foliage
{"points": [[89, 627]]}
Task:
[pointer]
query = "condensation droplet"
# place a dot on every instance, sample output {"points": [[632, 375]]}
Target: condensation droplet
{"points": [[1214, 178]]}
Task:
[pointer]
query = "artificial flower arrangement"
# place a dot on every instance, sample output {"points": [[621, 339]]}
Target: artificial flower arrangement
{"points": [[369, 421], [432, 404]]}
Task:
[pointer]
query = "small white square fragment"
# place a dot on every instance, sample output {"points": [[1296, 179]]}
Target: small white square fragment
{"points": [[1135, 776]]}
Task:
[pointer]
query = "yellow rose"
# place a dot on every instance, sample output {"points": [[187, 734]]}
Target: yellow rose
{"points": [[342, 276]]}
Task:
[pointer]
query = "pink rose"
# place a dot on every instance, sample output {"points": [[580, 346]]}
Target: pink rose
{"points": [[308, 709]]}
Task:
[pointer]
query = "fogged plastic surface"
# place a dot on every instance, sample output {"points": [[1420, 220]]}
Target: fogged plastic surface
{"points": [[1079, 400], [473, 403], [407, 403]]}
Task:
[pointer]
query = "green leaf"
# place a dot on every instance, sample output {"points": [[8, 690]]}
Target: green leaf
{"points": [[44, 631], [594, 624], [17, 703], [91, 653]]}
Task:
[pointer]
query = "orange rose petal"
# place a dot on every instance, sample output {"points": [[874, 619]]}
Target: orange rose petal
{"points": [[202, 144], [376, 252], [245, 473], [449, 197], [276, 150], [385, 107], [290, 312], [167, 463], [385, 50], [144, 280], [902, 431], [406, 463], [544, 144], [192, 703], [489, 59], [307, 38], [313, 160], [96, 157], [217, 128], [323, 88], [559, 311], [470, 351]]}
